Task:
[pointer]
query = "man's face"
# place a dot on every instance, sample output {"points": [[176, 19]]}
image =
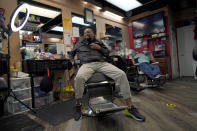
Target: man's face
{"points": [[145, 51], [88, 33]]}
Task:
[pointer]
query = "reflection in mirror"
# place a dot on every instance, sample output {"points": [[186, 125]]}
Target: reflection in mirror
{"points": [[42, 31], [113, 40], [79, 25]]}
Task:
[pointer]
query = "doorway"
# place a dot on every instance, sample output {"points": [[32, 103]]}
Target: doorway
{"points": [[186, 44]]}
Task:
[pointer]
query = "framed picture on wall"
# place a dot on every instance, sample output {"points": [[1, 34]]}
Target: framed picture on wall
{"points": [[88, 16], [138, 43]]}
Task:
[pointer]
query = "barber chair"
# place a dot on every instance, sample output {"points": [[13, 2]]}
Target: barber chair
{"points": [[120, 62], [143, 80], [99, 90], [3, 87]]}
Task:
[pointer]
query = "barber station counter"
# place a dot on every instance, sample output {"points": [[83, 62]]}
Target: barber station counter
{"points": [[165, 66], [37, 69], [39, 66]]}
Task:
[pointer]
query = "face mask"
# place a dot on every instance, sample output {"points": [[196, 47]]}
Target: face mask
{"points": [[89, 39], [145, 52]]}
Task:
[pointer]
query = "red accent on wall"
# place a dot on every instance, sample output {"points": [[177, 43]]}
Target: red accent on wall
{"points": [[150, 42], [131, 37], [151, 45], [167, 32]]}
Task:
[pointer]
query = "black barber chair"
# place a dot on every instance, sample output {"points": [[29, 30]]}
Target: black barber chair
{"points": [[143, 80], [120, 62], [3, 87], [100, 93]]}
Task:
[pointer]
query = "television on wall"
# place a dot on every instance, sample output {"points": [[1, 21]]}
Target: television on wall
{"points": [[148, 25]]}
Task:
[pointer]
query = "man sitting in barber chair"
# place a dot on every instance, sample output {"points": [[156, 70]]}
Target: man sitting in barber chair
{"points": [[144, 60], [92, 54]]}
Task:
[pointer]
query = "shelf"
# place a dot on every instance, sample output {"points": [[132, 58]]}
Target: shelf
{"points": [[34, 22], [30, 41], [157, 37], [150, 38]]}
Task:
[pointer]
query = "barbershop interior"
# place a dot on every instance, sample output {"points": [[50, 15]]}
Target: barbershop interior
{"points": [[98, 65]]}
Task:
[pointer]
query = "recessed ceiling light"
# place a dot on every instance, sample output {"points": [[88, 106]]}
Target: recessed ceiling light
{"points": [[39, 11], [125, 5], [98, 8], [113, 15], [85, 2]]}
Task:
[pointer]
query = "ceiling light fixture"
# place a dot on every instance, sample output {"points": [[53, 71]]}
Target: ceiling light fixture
{"points": [[125, 5], [110, 14], [57, 28], [98, 8], [79, 20], [39, 11], [85, 2]]}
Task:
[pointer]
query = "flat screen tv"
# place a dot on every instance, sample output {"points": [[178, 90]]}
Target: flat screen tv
{"points": [[148, 25]]}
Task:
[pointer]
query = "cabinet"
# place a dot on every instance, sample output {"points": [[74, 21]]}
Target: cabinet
{"points": [[21, 88], [164, 64]]}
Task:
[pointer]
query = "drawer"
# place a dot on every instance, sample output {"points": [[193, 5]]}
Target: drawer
{"points": [[161, 60], [16, 107], [21, 94], [44, 99], [163, 65], [19, 83]]}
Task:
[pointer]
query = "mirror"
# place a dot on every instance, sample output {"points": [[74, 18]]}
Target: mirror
{"points": [[42, 31], [113, 40], [79, 25]]}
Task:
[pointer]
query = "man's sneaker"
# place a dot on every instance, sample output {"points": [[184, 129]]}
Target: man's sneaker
{"points": [[78, 113], [158, 76], [133, 112]]}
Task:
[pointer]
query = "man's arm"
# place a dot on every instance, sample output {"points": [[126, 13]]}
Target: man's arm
{"points": [[152, 57], [133, 60], [104, 50], [100, 47]]}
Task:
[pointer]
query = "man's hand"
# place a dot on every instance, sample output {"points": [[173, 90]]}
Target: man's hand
{"points": [[95, 46], [152, 57]]}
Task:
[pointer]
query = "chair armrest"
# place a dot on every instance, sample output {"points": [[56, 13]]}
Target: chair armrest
{"points": [[136, 64], [155, 63]]}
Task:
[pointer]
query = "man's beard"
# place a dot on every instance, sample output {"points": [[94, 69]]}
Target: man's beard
{"points": [[89, 40]]}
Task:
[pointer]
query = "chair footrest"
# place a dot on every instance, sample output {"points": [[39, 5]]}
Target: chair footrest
{"points": [[113, 109]]}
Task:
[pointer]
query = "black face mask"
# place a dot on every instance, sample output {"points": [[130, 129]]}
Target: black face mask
{"points": [[89, 40]]}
